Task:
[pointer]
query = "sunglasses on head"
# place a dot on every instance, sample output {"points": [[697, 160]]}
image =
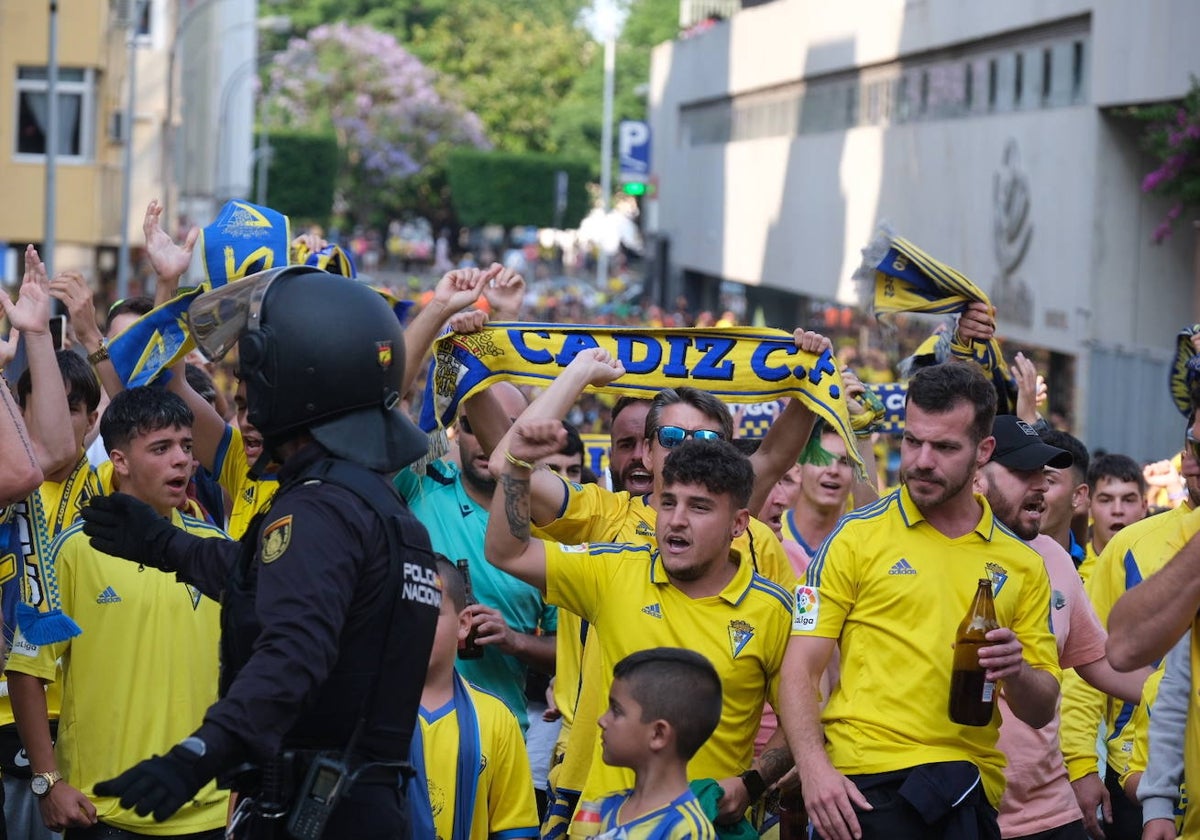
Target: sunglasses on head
{"points": [[671, 436]]}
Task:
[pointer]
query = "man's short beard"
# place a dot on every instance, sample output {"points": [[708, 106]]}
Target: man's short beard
{"points": [[480, 481]]}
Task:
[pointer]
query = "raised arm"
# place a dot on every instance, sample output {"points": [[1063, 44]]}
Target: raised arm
{"points": [[21, 474], [591, 367], [507, 544], [456, 290], [48, 413], [786, 438], [169, 260], [1149, 618]]}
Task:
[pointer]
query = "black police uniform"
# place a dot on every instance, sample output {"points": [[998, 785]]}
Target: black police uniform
{"points": [[330, 602], [312, 632]]}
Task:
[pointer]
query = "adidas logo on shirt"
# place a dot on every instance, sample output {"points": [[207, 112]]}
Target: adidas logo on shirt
{"points": [[108, 596], [902, 567], [653, 610]]}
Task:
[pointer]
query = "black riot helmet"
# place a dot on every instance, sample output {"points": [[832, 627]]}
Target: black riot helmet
{"points": [[319, 353]]}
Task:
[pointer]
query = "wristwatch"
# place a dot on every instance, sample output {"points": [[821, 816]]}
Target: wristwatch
{"points": [[755, 786], [41, 783], [98, 356]]}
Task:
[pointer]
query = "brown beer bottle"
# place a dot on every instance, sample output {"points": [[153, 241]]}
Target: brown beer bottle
{"points": [[972, 697], [793, 819], [468, 648]]}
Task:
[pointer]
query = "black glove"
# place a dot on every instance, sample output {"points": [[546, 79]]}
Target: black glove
{"points": [[163, 784], [123, 526]]}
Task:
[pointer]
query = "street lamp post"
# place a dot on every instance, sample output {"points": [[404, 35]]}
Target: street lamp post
{"points": [[49, 219], [127, 154], [610, 62]]}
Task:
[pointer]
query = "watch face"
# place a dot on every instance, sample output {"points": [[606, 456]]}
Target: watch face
{"points": [[39, 785]]}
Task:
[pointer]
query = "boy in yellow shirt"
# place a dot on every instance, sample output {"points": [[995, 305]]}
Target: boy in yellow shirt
{"points": [[472, 772]]}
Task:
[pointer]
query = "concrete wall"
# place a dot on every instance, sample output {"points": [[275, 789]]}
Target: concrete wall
{"points": [[792, 212]]}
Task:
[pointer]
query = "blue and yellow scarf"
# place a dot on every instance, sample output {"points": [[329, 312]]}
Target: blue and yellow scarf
{"points": [[897, 276], [738, 365]]}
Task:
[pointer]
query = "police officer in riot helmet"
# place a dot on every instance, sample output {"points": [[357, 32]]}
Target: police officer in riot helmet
{"points": [[329, 602]]}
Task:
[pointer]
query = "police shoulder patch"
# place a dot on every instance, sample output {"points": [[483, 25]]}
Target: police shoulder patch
{"points": [[275, 539]]}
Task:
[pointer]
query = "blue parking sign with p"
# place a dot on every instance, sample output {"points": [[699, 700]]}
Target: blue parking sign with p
{"points": [[633, 146]]}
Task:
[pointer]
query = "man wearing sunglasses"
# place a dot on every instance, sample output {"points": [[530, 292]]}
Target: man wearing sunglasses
{"points": [[690, 585], [574, 514]]}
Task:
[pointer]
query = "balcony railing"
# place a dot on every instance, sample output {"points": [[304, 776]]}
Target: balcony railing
{"points": [[692, 12]]}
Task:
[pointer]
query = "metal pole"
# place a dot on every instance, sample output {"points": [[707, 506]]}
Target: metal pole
{"points": [[263, 158], [610, 61], [49, 234], [127, 156]]}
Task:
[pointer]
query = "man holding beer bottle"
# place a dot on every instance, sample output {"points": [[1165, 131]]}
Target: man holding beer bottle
{"points": [[891, 586]]}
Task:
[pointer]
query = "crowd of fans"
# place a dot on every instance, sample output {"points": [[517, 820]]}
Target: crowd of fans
{"points": [[712, 634]]}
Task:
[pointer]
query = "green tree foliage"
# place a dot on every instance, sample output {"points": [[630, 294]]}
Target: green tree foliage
{"points": [[301, 175], [508, 189], [576, 122], [509, 63]]}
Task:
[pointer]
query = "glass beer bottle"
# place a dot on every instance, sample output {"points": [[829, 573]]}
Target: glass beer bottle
{"points": [[972, 697], [468, 648]]}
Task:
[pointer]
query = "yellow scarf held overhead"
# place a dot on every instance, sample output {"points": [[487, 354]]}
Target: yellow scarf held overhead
{"points": [[737, 365], [897, 276]]}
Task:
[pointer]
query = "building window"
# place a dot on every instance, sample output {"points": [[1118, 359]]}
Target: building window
{"points": [[924, 102], [143, 21], [993, 77], [1018, 79], [1047, 72], [76, 106], [969, 87], [1076, 71]]}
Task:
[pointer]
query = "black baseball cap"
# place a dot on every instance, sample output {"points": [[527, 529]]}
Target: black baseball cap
{"points": [[1019, 447]]}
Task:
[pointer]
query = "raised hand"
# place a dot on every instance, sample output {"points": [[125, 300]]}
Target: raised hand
{"points": [[977, 323], [505, 293], [597, 366], [1031, 388], [73, 290], [461, 287], [31, 313], [468, 321], [811, 342], [533, 440], [168, 259]]}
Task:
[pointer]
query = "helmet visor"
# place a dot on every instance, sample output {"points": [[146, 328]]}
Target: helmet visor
{"points": [[217, 319]]}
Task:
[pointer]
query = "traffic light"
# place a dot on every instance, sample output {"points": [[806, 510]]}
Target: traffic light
{"points": [[635, 188]]}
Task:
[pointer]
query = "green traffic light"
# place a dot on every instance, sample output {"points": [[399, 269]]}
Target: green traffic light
{"points": [[634, 188]]}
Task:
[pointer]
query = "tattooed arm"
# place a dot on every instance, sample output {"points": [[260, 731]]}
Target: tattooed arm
{"points": [[771, 765], [507, 544]]}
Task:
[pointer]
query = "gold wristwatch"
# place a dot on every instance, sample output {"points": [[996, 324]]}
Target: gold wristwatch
{"points": [[41, 783]]}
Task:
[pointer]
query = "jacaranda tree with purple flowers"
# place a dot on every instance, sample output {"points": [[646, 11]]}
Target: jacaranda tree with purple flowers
{"points": [[1173, 137], [393, 128]]}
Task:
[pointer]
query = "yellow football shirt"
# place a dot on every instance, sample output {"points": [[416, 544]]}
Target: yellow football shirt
{"points": [[137, 680], [248, 495], [624, 592], [591, 514], [1132, 555], [892, 590], [504, 802]]}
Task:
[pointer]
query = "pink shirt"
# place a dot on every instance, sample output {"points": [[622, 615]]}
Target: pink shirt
{"points": [[770, 721], [1038, 796]]}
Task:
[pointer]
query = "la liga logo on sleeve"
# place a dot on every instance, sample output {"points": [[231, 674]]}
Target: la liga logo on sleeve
{"points": [[804, 613]]}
